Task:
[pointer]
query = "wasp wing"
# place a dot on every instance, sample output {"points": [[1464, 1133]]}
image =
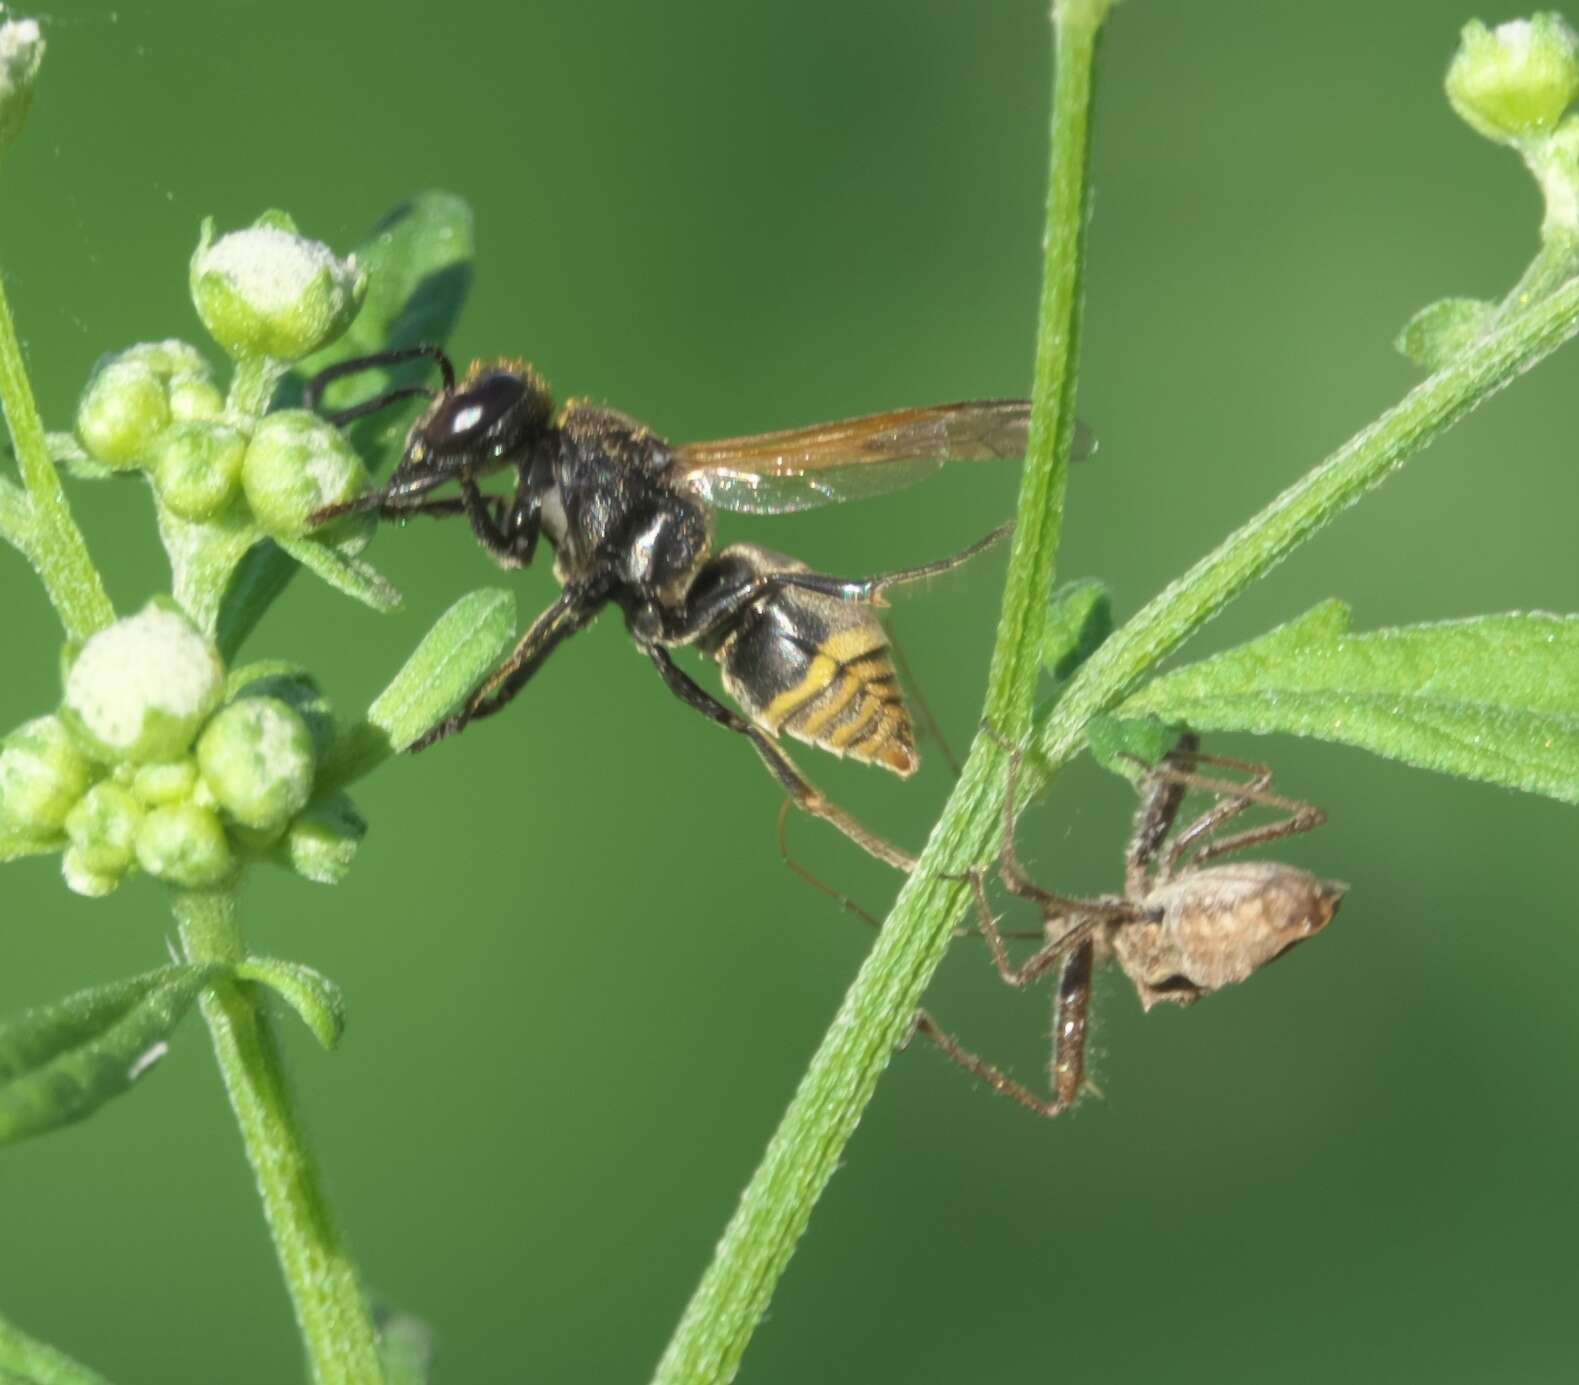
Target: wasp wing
{"points": [[798, 468]]}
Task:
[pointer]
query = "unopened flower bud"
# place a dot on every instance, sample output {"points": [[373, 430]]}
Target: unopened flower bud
{"points": [[297, 463], [81, 878], [1515, 80], [21, 55], [103, 829], [267, 291], [195, 397], [140, 689], [322, 842], [197, 467], [184, 845], [170, 359], [125, 407], [165, 781], [42, 775], [256, 756], [294, 686]]}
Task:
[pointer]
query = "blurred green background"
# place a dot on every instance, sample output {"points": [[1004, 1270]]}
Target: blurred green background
{"points": [[582, 986]]}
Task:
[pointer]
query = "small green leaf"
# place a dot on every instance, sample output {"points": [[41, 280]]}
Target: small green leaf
{"points": [[60, 1062], [1494, 698], [343, 572], [1129, 746], [26, 1361], [1440, 330], [310, 993], [456, 654], [1079, 618]]}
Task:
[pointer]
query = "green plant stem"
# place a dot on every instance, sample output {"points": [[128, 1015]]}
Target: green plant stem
{"points": [[252, 386], [325, 1290], [875, 1017], [203, 558], [56, 546], [23, 1359], [1039, 514]]}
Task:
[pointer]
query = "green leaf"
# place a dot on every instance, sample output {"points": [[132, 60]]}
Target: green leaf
{"points": [[1129, 746], [1079, 618], [26, 1361], [60, 1062], [1494, 698], [461, 649], [344, 572], [259, 578], [1440, 330], [313, 996]]}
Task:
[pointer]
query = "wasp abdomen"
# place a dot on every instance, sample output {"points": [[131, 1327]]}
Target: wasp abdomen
{"points": [[816, 668]]}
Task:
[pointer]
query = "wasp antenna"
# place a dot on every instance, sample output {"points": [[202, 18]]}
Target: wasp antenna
{"points": [[378, 402], [358, 364]]}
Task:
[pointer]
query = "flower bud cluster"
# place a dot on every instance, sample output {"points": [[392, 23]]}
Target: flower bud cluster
{"points": [[264, 292], [157, 761], [155, 407]]}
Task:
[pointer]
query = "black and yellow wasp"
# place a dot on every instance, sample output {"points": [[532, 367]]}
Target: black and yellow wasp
{"points": [[630, 519]]}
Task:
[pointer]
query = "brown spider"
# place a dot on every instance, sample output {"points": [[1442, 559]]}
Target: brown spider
{"points": [[1182, 928]]}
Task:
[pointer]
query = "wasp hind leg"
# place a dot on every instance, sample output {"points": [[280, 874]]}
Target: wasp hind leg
{"points": [[800, 789]]}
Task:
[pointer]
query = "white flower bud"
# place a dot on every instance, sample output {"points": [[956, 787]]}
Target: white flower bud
{"points": [[103, 827], [141, 689], [123, 410], [295, 464], [197, 467], [21, 55], [184, 845], [42, 775], [256, 756], [267, 291], [322, 843]]}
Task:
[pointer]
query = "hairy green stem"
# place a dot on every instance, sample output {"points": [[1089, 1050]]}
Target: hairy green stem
{"points": [[25, 1360], [1039, 515], [203, 558], [252, 386], [876, 1015], [325, 1290], [55, 545]]}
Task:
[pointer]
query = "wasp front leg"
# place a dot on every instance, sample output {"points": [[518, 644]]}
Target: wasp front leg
{"points": [[572, 612]]}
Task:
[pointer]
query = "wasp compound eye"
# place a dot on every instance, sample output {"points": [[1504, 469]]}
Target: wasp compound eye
{"points": [[481, 413]]}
